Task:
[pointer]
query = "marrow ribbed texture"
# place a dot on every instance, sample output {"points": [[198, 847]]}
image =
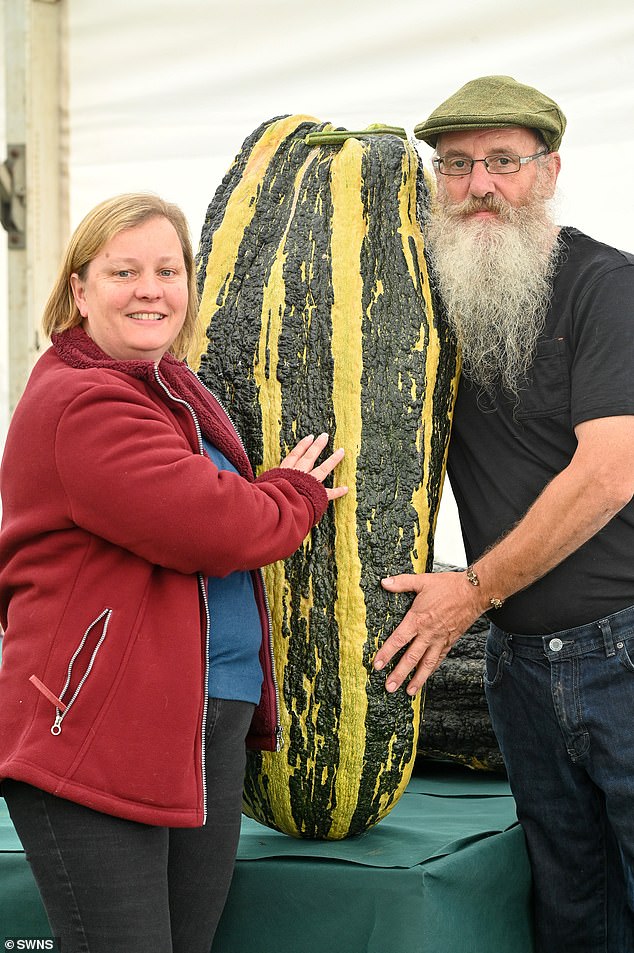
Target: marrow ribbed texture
{"points": [[316, 315]]}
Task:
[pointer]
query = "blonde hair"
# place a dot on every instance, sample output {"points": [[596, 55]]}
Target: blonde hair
{"points": [[94, 231]]}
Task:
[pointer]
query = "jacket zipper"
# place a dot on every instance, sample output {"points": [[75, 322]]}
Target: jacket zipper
{"points": [[279, 731], [203, 590], [62, 708]]}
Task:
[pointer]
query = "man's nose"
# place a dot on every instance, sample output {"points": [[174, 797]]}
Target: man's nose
{"points": [[481, 182]]}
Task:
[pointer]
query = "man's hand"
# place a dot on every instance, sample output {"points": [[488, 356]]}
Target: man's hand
{"points": [[576, 504], [445, 606]]}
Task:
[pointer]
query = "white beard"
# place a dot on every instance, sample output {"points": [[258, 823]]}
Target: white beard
{"points": [[495, 280]]}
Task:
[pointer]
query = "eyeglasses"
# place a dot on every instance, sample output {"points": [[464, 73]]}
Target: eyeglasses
{"points": [[502, 164]]}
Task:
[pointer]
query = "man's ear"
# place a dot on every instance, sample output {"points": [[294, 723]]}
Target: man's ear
{"points": [[553, 169]]}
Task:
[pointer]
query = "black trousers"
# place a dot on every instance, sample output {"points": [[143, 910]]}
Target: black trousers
{"points": [[111, 885]]}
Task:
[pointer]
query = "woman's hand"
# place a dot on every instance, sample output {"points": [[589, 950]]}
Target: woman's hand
{"points": [[304, 455]]}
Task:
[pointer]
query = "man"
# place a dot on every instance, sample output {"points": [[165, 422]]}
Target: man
{"points": [[541, 462]]}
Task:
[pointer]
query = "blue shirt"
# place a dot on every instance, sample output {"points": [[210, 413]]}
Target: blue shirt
{"points": [[235, 628]]}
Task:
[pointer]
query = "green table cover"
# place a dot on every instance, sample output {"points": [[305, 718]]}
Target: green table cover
{"points": [[445, 872]]}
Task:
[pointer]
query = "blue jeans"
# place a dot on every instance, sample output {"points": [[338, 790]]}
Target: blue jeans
{"points": [[562, 707], [110, 885]]}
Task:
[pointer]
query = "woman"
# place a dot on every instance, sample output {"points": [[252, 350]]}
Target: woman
{"points": [[136, 655]]}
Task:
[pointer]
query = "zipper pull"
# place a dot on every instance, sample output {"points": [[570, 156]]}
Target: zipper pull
{"points": [[56, 727]]}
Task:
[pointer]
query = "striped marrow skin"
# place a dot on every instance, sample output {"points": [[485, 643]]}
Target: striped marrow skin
{"points": [[316, 315]]}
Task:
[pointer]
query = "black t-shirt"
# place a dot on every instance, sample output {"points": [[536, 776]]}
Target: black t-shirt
{"points": [[502, 453]]}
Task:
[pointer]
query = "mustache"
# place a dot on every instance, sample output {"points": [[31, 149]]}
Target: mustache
{"points": [[473, 204]]}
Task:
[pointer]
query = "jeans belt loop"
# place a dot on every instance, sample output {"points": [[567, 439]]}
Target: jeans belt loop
{"points": [[608, 640]]}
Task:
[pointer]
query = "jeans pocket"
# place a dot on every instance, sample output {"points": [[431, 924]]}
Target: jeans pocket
{"points": [[625, 653], [494, 659]]}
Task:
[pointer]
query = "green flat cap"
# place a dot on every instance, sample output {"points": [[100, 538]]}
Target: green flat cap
{"points": [[491, 102]]}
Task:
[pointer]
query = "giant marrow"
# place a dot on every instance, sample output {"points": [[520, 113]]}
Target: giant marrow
{"points": [[316, 314]]}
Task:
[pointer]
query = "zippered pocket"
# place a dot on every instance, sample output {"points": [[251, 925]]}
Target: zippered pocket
{"points": [[62, 707]]}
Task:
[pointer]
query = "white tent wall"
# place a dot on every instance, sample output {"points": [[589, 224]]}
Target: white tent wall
{"points": [[162, 95]]}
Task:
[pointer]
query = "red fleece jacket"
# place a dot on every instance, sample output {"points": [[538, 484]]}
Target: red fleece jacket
{"points": [[112, 518]]}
